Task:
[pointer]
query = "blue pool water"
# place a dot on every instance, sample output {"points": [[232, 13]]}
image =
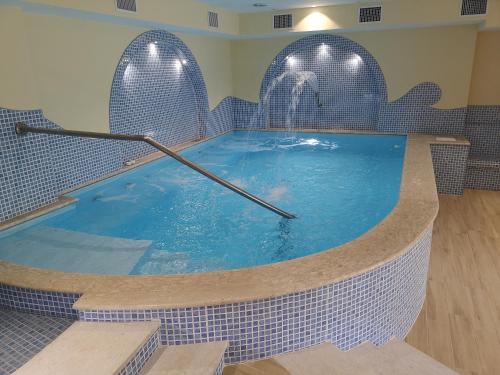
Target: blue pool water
{"points": [[163, 218]]}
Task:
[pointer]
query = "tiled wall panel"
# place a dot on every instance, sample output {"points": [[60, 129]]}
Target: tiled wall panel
{"points": [[374, 306], [220, 119], [482, 129], [38, 302], [158, 90], [450, 164], [26, 181]]}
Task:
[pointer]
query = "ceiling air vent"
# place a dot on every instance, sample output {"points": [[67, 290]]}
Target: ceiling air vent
{"points": [[213, 19], [282, 21], [474, 7], [128, 5], [370, 14]]}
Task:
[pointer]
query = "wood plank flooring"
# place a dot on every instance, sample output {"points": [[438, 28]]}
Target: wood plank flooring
{"points": [[460, 322]]}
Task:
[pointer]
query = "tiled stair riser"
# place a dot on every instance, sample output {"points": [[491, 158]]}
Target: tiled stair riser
{"points": [[135, 365]]}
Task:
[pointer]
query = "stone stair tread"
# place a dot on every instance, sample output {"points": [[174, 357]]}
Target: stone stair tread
{"points": [[192, 359], [404, 358], [326, 359], [394, 358], [91, 348]]}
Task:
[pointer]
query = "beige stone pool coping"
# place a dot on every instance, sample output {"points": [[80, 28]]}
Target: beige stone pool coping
{"points": [[414, 213]]}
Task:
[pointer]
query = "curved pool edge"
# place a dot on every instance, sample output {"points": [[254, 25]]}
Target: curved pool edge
{"points": [[413, 214]]}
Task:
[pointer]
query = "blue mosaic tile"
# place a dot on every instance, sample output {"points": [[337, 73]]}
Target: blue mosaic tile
{"points": [[158, 90], [23, 335], [482, 129], [220, 119], [137, 362], [374, 306], [450, 164], [39, 302], [25, 167], [413, 113], [350, 82]]}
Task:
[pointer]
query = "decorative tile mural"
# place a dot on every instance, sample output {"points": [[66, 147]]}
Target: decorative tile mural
{"points": [[323, 81], [373, 306], [158, 90]]}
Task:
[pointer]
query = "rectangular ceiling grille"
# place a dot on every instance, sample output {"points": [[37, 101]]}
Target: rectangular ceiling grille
{"points": [[474, 7], [283, 21], [370, 14], [128, 5], [213, 19]]}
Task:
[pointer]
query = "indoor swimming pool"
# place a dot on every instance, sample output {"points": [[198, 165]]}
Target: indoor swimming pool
{"points": [[163, 218]]}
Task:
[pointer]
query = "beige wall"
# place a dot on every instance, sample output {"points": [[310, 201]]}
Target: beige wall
{"points": [[16, 76], [407, 58], [65, 66], [186, 14], [395, 14], [485, 86]]}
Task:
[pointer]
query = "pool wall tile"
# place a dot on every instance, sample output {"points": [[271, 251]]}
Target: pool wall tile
{"points": [[373, 306], [57, 304], [26, 181]]}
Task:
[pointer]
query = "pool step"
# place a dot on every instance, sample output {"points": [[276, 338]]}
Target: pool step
{"points": [[72, 251], [97, 349], [395, 358], [195, 359]]}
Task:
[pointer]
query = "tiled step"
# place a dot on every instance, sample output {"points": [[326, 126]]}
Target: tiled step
{"points": [[395, 358], [97, 349], [195, 359]]}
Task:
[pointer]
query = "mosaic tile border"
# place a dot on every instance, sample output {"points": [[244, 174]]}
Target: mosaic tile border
{"points": [[135, 365], [373, 306], [57, 304]]}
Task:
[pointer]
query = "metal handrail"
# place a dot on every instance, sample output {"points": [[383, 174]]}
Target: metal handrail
{"points": [[22, 128]]}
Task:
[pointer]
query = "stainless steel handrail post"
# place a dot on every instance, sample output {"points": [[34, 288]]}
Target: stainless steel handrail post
{"points": [[22, 128]]}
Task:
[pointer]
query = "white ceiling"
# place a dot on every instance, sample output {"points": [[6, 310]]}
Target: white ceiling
{"points": [[243, 6]]}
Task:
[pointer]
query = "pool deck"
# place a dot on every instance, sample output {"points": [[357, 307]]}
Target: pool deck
{"points": [[413, 215]]}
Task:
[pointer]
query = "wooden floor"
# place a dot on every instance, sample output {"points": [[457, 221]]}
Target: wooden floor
{"points": [[460, 322]]}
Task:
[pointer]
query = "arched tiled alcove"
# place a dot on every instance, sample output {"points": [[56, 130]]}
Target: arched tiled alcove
{"points": [[350, 84], [158, 90]]}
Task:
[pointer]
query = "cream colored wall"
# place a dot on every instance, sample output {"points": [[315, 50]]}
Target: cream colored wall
{"points": [[65, 66], [16, 76], [485, 86], [395, 14], [407, 58], [74, 63], [214, 57], [182, 13]]}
